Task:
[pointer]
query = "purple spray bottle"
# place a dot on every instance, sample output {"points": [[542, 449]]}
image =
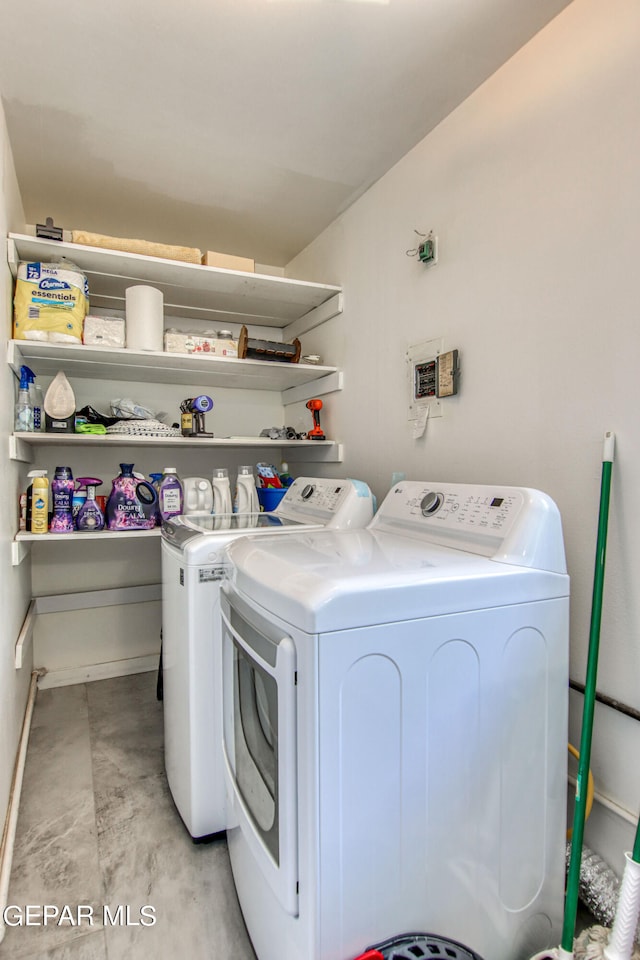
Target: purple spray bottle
{"points": [[90, 516]]}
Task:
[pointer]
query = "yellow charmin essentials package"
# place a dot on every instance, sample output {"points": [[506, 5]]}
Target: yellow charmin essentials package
{"points": [[50, 302]]}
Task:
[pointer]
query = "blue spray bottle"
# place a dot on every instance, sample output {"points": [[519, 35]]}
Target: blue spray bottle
{"points": [[23, 422], [36, 400]]}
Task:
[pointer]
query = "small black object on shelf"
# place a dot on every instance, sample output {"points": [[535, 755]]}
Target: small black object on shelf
{"points": [[47, 231]]}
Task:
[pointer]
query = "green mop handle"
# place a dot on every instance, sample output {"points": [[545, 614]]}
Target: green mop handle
{"points": [[573, 879]]}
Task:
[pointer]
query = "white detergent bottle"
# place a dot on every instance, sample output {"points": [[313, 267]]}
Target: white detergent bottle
{"points": [[198, 496], [221, 491], [246, 500]]}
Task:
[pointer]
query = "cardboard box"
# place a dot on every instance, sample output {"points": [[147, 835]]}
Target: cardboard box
{"points": [[228, 262]]}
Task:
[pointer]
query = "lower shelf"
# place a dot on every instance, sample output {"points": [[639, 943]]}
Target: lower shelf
{"points": [[22, 542], [23, 536]]}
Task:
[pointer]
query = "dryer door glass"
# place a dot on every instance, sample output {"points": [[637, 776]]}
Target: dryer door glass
{"points": [[255, 696]]}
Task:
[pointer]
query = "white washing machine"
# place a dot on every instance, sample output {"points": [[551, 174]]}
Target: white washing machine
{"points": [[395, 726], [192, 571]]}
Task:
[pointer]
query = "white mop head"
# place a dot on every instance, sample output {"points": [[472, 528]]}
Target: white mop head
{"points": [[591, 943]]}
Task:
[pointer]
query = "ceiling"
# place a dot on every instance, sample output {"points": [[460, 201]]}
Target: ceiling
{"points": [[244, 126]]}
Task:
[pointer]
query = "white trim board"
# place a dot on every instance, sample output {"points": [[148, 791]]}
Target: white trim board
{"points": [[98, 671]]}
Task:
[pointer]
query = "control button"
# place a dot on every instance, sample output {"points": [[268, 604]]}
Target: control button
{"points": [[307, 491], [431, 503]]}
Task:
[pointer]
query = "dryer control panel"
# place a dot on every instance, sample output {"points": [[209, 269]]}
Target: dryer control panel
{"points": [[515, 524]]}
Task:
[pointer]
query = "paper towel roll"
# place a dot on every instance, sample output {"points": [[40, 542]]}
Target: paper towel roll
{"points": [[145, 318]]}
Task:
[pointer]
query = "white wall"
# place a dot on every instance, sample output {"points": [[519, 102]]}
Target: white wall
{"points": [[532, 186], [14, 582]]}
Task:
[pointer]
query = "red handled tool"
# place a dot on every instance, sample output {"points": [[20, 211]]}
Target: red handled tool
{"points": [[315, 406]]}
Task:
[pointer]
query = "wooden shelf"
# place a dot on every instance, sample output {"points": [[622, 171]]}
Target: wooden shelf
{"points": [[138, 366], [189, 289]]}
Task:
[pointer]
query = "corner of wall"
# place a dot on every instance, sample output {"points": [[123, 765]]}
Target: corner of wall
{"points": [[15, 583]]}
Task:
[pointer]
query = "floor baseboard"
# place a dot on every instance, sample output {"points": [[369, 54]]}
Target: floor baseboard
{"points": [[98, 671]]}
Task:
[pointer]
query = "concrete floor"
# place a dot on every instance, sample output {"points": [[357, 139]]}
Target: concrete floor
{"points": [[97, 827]]}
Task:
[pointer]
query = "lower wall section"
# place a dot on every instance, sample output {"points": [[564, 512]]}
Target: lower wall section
{"points": [[73, 639]]}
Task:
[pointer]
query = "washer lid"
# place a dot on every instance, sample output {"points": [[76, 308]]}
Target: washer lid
{"points": [[335, 580], [202, 538]]}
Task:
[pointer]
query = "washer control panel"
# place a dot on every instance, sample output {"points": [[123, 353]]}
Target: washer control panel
{"points": [[473, 511], [333, 503], [465, 516], [322, 494]]}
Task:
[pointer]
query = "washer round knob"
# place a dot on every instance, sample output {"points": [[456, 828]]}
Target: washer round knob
{"points": [[307, 491], [431, 503]]}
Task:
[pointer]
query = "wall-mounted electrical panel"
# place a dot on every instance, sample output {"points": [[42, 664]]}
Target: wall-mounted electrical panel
{"points": [[433, 375]]}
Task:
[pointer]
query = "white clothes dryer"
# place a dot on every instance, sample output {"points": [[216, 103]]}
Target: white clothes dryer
{"points": [[192, 572], [395, 726]]}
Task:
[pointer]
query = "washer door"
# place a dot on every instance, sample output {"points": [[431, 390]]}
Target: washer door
{"points": [[260, 742]]}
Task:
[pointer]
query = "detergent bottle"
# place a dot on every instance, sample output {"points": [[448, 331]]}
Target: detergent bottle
{"points": [[246, 499], [90, 516], [221, 491], [170, 494], [155, 479], [198, 495], [132, 503], [285, 477], [62, 496]]}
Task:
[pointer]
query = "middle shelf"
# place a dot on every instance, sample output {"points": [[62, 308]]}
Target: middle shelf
{"points": [[20, 444], [112, 363]]}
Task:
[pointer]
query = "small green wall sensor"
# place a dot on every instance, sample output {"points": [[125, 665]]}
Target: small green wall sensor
{"points": [[427, 251]]}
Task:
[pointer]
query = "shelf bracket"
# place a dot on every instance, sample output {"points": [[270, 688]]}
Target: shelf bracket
{"points": [[317, 388], [14, 357], [320, 454], [19, 550], [326, 311], [12, 257], [19, 450]]}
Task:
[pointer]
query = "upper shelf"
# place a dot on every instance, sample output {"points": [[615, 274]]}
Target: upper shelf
{"points": [[189, 289]]}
